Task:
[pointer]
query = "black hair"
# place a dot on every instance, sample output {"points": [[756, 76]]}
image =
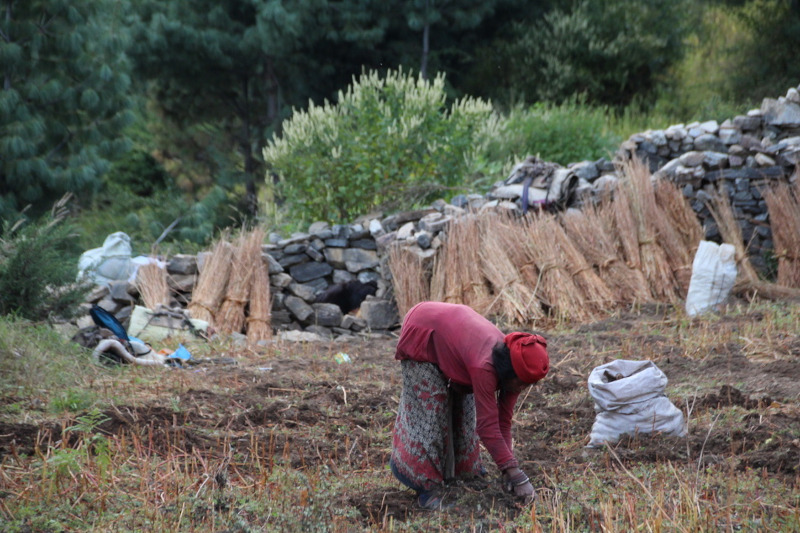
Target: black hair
{"points": [[501, 359]]}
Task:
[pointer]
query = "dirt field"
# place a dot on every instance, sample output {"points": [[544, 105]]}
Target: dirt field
{"points": [[293, 408]]}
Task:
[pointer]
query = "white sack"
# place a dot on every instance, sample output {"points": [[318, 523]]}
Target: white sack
{"points": [[713, 276], [111, 262], [636, 403]]}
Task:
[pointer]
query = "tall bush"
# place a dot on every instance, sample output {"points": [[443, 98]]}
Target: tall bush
{"points": [[387, 141], [38, 266]]}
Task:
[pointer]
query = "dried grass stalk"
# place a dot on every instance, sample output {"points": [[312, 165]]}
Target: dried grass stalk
{"points": [[514, 300], [683, 218], [595, 291], [587, 231], [410, 277], [554, 286], [212, 282], [655, 263], [151, 281], [784, 215], [231, 317], [459, 271], [259, 320], [722, 211]]}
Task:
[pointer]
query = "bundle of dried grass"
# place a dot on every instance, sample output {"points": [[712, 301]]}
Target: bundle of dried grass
{"points": [[587, 230], [458, 271], [671, 210], [259, 319], [514, 300], [783, 204], [410, 277], [151, 282], [722, 211], [230, 318], [438, 288], [212, 282], [594, 289], [554, 286], [655, 263], [681, 215]]}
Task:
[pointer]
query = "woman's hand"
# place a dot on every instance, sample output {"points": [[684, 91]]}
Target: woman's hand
{"points": [[515, 481]]}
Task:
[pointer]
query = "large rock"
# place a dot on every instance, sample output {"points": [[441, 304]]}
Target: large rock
{"points": [[379, 314], [328, 315], [299, 308], [308, 271]]}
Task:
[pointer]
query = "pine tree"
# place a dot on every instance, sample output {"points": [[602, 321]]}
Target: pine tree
{"points": [[64, 99]]}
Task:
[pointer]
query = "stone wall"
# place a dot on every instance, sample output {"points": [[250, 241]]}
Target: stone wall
{"points": [[744, 154]]}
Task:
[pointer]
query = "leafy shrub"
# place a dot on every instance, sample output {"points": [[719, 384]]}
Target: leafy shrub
{"points": [[38, 266], [388, 141], [564, 133]]}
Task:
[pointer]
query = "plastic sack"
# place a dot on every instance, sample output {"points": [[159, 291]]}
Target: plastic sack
{"points": [[111, 262], [713, 276], [629, 399]]}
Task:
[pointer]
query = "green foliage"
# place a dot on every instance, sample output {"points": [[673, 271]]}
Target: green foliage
{"points": [[64, 100], [564, 133], [36, 362], [609, 51], [388, 141], [38, 266], [139, 172], [145, 219]]}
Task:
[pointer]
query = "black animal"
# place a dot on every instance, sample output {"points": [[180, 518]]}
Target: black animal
{"points": [[349, 295]]}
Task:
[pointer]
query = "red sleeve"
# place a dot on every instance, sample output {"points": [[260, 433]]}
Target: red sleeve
{"points": [[493, 421], [505, 406]]}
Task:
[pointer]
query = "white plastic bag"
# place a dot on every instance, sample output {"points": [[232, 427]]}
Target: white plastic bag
{"points": [[629, 399], [713, 276], [111, 262]]}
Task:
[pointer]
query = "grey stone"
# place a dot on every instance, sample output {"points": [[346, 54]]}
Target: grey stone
{"points": [[290, 260], [300, 336], [405, 231], [182, 282], [315, 254], [434, 223], [321, 331], [273, 267], [281, 280], [182, 264], [342, 276], [423, 239], [120, 291], [356, 259], [326, 314], [309, 271], [376, 228], [777, 113], [354, 323], [385, 240], [357, 231], [319, 229], [366, 276], [299, 308], [297, 248], [747, 123], [709, 142], [306, 291], [97, 293], [294, 239], [336, 243], [364, 244], [715, 159], [334, 257], [340, 231], [110, 305], [379, 314]]}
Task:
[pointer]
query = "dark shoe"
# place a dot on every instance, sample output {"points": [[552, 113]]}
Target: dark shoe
{"points": [[431, 500]]}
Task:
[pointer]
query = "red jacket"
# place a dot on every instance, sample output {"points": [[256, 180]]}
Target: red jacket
{"points": [[459, 341]]}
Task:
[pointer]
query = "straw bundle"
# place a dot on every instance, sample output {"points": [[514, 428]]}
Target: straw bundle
{"points": [[721, 210], [515, 300], [211, 283], [784, 215], [151, 281], [410, 278], [655, 263], [230, 318], [259, 320], [683, 219], [554, 286], [585, 229], [458, 277]]}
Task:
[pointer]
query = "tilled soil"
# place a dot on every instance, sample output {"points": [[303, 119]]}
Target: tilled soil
{"points": [[306, 410]]}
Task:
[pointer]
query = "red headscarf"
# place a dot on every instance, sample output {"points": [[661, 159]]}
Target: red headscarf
{"points": [[528, 356]]}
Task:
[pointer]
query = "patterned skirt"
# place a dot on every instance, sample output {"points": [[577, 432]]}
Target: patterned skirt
{"points": [[430, 418]]}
